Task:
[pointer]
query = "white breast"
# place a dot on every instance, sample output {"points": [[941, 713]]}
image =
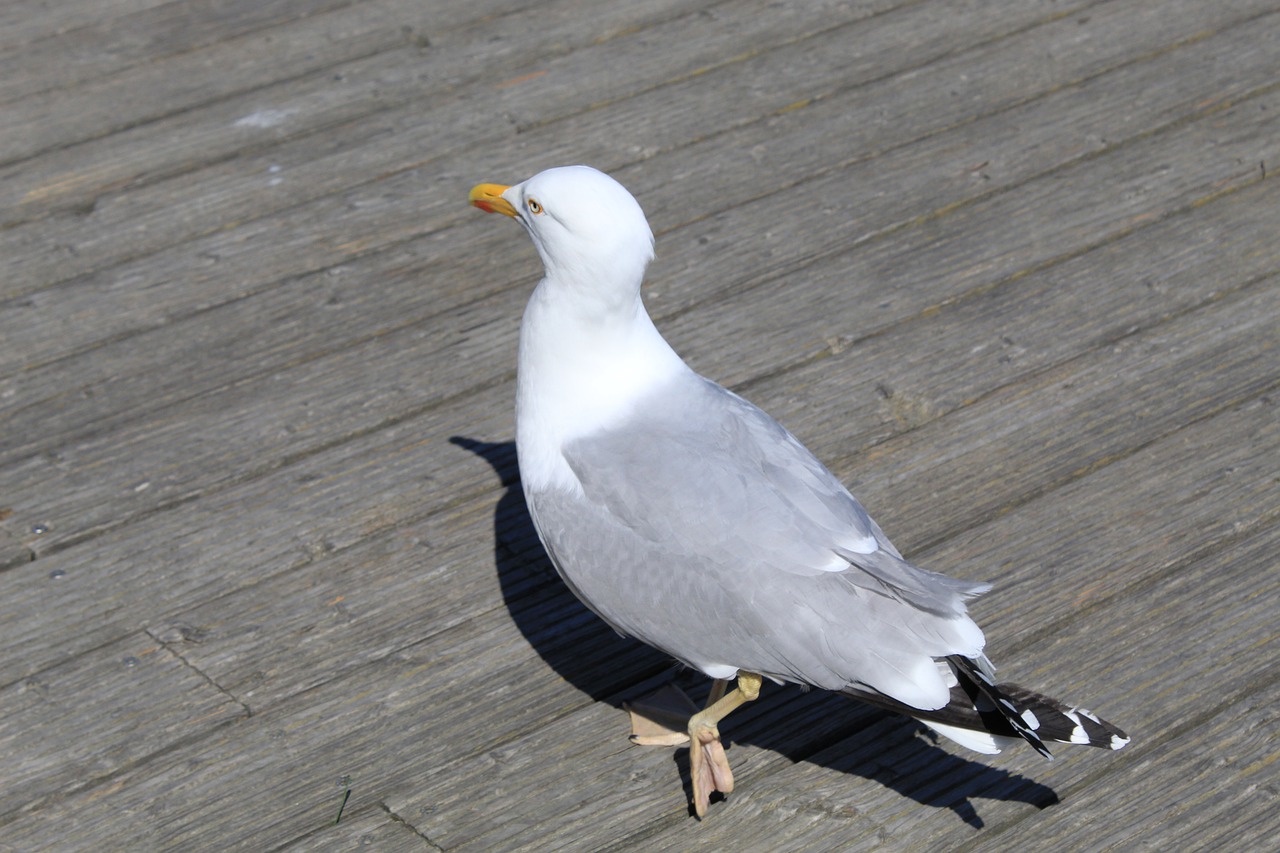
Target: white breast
{"points": [[578, 376]]}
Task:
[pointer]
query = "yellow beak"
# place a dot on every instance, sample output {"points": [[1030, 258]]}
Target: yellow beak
{"points": [[488, 197]]}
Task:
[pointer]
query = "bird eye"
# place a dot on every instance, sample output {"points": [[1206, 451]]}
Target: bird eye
{"points": [[533, 206]]}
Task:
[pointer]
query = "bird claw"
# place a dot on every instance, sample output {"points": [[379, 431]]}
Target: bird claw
{"points": [[709, 769]]}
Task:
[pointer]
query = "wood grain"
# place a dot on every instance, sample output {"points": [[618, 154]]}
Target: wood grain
{"points": [[1009, 268]]}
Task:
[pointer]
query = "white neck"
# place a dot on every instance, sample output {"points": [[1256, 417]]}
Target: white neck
{"points": [[581, 370]]}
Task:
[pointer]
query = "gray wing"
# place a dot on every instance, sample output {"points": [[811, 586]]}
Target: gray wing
{"points": [[706, 530]]}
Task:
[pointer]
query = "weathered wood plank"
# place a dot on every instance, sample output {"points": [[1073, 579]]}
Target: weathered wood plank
{"points": [[208, 793], [40, 382], [380, 46], [52, 244], [12, 551], [372, 828], [296, 630], [276, 416], [945, 358], [162, 563], [175, 40], [116, 222], [73, 727], [618, 66], [1058, 424], [1032, 227], [1232, 498], [23, 23], [102, 107], [105, 45]]}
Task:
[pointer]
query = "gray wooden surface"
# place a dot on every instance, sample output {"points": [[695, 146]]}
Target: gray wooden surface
{"points": [[1011, 268]]}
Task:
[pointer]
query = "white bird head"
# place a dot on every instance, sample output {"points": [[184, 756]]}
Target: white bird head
{"points": [[589, 231]]}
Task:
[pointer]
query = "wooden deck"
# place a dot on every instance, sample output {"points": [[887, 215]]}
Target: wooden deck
{"points": [[1011, 268]]}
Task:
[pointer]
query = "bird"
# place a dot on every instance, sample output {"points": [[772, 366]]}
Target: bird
{"points": [[689, 519]]}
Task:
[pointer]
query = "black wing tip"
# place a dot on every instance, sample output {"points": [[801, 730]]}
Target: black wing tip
{"points": [[1036, 718], [1008, 710], [1058, 722]]}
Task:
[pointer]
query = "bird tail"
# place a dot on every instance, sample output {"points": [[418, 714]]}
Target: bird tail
{"points": [[986, 717]]}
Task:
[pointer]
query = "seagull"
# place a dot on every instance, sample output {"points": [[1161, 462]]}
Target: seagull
{"points": [[691, 520]]}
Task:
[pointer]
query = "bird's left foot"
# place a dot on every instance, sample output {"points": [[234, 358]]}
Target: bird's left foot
{"points": [[656, 720], [708, 766]]}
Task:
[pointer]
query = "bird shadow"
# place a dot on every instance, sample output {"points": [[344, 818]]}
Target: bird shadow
{"points": [[588, 654]]}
